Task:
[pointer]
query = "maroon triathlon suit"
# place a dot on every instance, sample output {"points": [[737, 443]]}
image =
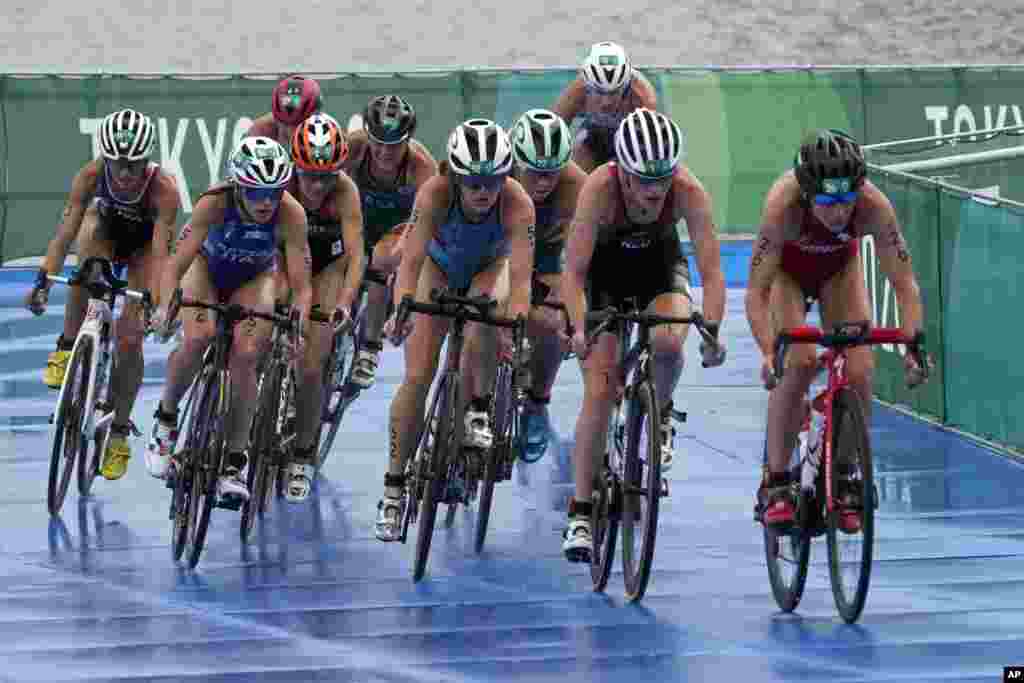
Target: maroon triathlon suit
{"points": [[819, 254]]}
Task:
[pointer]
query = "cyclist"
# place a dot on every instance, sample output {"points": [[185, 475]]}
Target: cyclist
{"points": [[476, 225], [607, 89], [813, 218], [227, 254], [123, 207], [389, 166], [625, 223], [333, 213], [541, 146], [294, 99]]}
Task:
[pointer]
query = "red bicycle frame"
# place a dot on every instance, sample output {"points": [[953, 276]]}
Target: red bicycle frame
{"points": [[843, 337]]}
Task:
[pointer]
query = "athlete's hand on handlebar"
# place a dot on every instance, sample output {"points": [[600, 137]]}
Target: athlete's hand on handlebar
{"points": [[396, 331]]}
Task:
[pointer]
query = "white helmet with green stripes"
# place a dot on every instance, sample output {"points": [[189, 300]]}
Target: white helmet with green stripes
{"points": [[541, 140]]}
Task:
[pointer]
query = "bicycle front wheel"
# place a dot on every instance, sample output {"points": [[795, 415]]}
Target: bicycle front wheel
{"points": [[258, 478], [851, 523], [206, 460], [641, 490], [68, 442], [442, 439], [338, 392]]}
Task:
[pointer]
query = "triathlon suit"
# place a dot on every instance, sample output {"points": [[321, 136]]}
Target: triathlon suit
{"points": [[462, 249], [128, 223], [324, 235], [547, 255], [597, 129], [383, 209], [818, 254], [637, 261], [238, 251]]}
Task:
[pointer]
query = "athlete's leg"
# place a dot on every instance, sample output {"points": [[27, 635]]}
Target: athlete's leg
{"points": [[183, 363], [407, 408], [90, 242]]}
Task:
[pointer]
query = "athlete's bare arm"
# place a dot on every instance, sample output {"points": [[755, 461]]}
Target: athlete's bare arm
{"points": [[695, 206], [879, 220], [520, 221], [83, 188], [765, 263]]}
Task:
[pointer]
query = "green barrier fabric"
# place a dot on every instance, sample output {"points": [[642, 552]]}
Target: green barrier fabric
{"points": [[983, 272], [918, 209], [742, 125]]}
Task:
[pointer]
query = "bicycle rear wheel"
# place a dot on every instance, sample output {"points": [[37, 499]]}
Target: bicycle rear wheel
{"points": [[90, 461], [68, 442], [641, 491], [851, 526], [443, 439]]}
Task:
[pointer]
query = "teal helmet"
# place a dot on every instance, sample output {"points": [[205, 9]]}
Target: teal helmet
{"points": [[541, 140]]}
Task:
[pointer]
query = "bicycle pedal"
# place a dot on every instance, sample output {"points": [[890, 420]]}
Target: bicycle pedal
{"points": [[51, 417], [664, 488], [679, 415]]}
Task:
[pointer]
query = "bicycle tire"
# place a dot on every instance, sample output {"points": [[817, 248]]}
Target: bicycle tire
{"points": [[262, 440], [208, 458], [847, 403], [181, 498], [336, 379], [788, 594], [606, 501], [503, 407], [68, 442], [640, 484], [89, 464], [437, 471]]}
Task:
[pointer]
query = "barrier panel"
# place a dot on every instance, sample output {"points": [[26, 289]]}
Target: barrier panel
{"points": [[742, 124]]}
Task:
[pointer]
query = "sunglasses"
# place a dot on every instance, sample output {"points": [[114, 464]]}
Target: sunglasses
{"points": [[664, 181], [261, 194], [594, 90], [830, 199], [321, 177], [480, 183], [385, 143], [135, 167]]}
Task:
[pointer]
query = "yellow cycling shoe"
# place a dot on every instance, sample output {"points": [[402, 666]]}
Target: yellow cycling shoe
{"points": [[56, 368], [115, 459]]}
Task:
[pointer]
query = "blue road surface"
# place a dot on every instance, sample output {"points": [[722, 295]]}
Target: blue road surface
{"points": [[94, 596]]}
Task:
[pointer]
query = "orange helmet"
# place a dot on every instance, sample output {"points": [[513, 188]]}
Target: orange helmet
{"points": [[319, 145]]}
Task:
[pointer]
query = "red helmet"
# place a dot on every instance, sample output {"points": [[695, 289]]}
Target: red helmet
{"points": [[295, 98]]}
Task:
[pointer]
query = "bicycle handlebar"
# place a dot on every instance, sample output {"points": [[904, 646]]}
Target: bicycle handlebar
{"points": [[847, 335], [474, 309], [97, 287], [232, 313], [611, 315]]}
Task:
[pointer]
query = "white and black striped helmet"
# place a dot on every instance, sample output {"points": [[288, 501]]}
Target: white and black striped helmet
{"points": [[260, 162], [479, 147], [607, 68], [649, 144], [126, 134]]}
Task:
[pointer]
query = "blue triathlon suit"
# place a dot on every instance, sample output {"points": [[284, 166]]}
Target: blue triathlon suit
{"points": [[238, 251], [462, 249]]}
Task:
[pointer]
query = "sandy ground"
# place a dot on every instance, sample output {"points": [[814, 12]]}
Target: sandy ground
{"points": [[316, 36]]}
